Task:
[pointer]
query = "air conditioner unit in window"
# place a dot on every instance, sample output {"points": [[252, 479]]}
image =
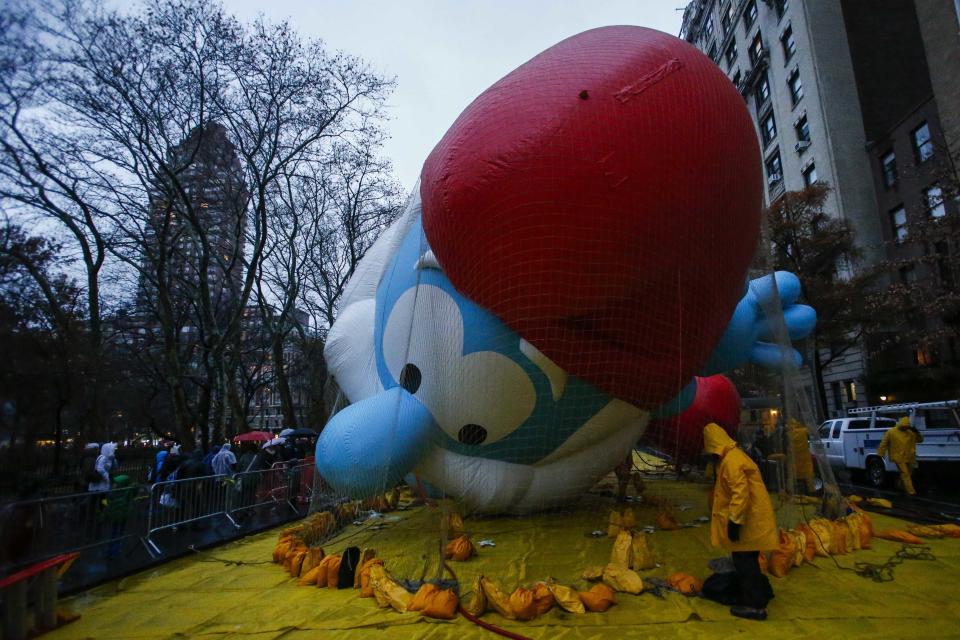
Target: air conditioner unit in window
{"points": [[773, 178], [802, 146]]}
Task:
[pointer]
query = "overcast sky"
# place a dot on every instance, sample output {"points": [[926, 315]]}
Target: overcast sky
{"points": [[444, 53]]}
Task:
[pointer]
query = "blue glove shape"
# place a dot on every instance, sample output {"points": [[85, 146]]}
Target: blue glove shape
{"points": [[748, 335]]}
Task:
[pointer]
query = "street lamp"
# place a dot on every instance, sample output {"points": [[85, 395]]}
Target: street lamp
{"points": [[883, 398]]}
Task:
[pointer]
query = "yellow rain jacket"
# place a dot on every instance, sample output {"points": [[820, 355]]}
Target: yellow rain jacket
{"points": [[901, 441], [739, 496], [803, 463]]}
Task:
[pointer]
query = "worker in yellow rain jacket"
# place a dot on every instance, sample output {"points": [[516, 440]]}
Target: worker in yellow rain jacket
{"points": [[742, 519], [901, 441], [802, 462]]}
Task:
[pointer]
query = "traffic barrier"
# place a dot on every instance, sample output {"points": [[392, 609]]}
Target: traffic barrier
{"points": [[43, 527], [174, 503]]}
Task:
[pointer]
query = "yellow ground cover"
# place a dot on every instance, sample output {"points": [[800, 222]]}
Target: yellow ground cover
{"points": [[197, 597]]}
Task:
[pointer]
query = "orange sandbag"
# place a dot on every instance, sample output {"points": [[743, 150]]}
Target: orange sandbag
{"points": [[925, 531], [291, 554], [459, 549], [523, 604], [685, 583], [781, 560], [329, 567], [443, 605], [896, 535], [599, 598], [311, 560], [666, 522], [366, 588], [297, 563], [280, 551], [839, 541], [542, 598], [333, 573], [310, 577], [496, 599], [434, 602], [949, 530], [823, 532], [810, 550]]}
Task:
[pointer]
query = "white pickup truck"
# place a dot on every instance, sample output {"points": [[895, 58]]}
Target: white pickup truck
{"points": [[851, 443]]}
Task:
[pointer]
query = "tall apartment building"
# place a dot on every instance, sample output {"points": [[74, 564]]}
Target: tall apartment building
{"points": [[210, 187], [809, 73], [907, 64]]}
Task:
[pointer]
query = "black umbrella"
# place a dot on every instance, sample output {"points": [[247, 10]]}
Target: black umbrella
{"points": [[302, 432]]}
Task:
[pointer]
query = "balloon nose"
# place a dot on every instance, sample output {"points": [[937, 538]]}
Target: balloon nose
{"points": [[369, 446]]}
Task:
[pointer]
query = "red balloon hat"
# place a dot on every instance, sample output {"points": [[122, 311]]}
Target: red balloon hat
{"points": [[603, 200]]}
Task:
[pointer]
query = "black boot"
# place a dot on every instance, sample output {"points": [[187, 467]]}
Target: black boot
{"points": [[749, 613]]}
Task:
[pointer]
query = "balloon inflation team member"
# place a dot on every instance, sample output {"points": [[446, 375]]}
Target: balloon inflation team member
{"points": [[742, 519], [901, 442]]}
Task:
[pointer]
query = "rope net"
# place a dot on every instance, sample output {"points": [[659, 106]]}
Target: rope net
{"points": [[538, 340]]}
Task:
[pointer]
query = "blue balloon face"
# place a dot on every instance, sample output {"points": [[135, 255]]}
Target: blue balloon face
{"points": [[491, 395]]}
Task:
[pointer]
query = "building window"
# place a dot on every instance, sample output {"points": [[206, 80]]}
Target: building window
{"points": [[774, 170], [898, 218], [922, 144], [749, 15], [768, 129], [762, 92], [731, 53], [708, 28], [728, 18], [782, 6], [756, 48], [713, 52], [803, 129], [843, 268], [789, 46], [850, 387], [934, 197], [922, 356], [736, 79], [810, 175], [888, 167], [796, 86]]}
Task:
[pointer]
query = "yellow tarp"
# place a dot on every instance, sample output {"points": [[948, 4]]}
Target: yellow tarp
{"points": [[198, 597]]}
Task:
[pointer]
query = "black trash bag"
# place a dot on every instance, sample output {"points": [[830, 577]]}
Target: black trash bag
{"points": [[349, 562]]}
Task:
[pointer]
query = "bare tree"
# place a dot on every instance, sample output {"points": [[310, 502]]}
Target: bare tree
{"points": [[137, 105]]}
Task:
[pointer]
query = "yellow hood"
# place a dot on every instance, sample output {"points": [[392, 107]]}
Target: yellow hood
{"points": [[715, 440], [904, 422]]}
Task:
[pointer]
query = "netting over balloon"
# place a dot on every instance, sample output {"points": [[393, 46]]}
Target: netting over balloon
{"points": [[545, 326]]}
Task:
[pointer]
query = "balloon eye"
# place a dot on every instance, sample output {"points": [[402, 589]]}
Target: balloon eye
{"points": [[472, 434], [410, 377]]}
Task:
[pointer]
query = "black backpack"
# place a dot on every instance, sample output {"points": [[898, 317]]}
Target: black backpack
{"points": [[88, 470]]}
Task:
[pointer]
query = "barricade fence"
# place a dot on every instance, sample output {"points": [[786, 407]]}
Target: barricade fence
{"points": [[170, 516]]}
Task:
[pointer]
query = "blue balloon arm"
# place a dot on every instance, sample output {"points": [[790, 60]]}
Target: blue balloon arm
{"points": [[369, 446], [745, 338]]}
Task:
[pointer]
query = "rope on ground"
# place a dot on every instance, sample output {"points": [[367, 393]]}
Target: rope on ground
{"points": [[884, 572], [491, 627], [209, 557]]}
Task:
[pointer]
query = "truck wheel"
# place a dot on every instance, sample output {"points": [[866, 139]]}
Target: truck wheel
{"points": [[876, 472]]}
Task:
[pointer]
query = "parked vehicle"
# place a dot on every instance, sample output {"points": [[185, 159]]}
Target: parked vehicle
{"points": [[851, 443]]}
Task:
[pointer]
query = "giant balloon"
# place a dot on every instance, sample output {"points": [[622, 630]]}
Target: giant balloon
{"points": [[575, 254], [681, 436]]}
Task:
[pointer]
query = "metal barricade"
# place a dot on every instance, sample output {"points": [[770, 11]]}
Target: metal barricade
{"points": [[174, 503], [33, 530], [280, 484]]}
